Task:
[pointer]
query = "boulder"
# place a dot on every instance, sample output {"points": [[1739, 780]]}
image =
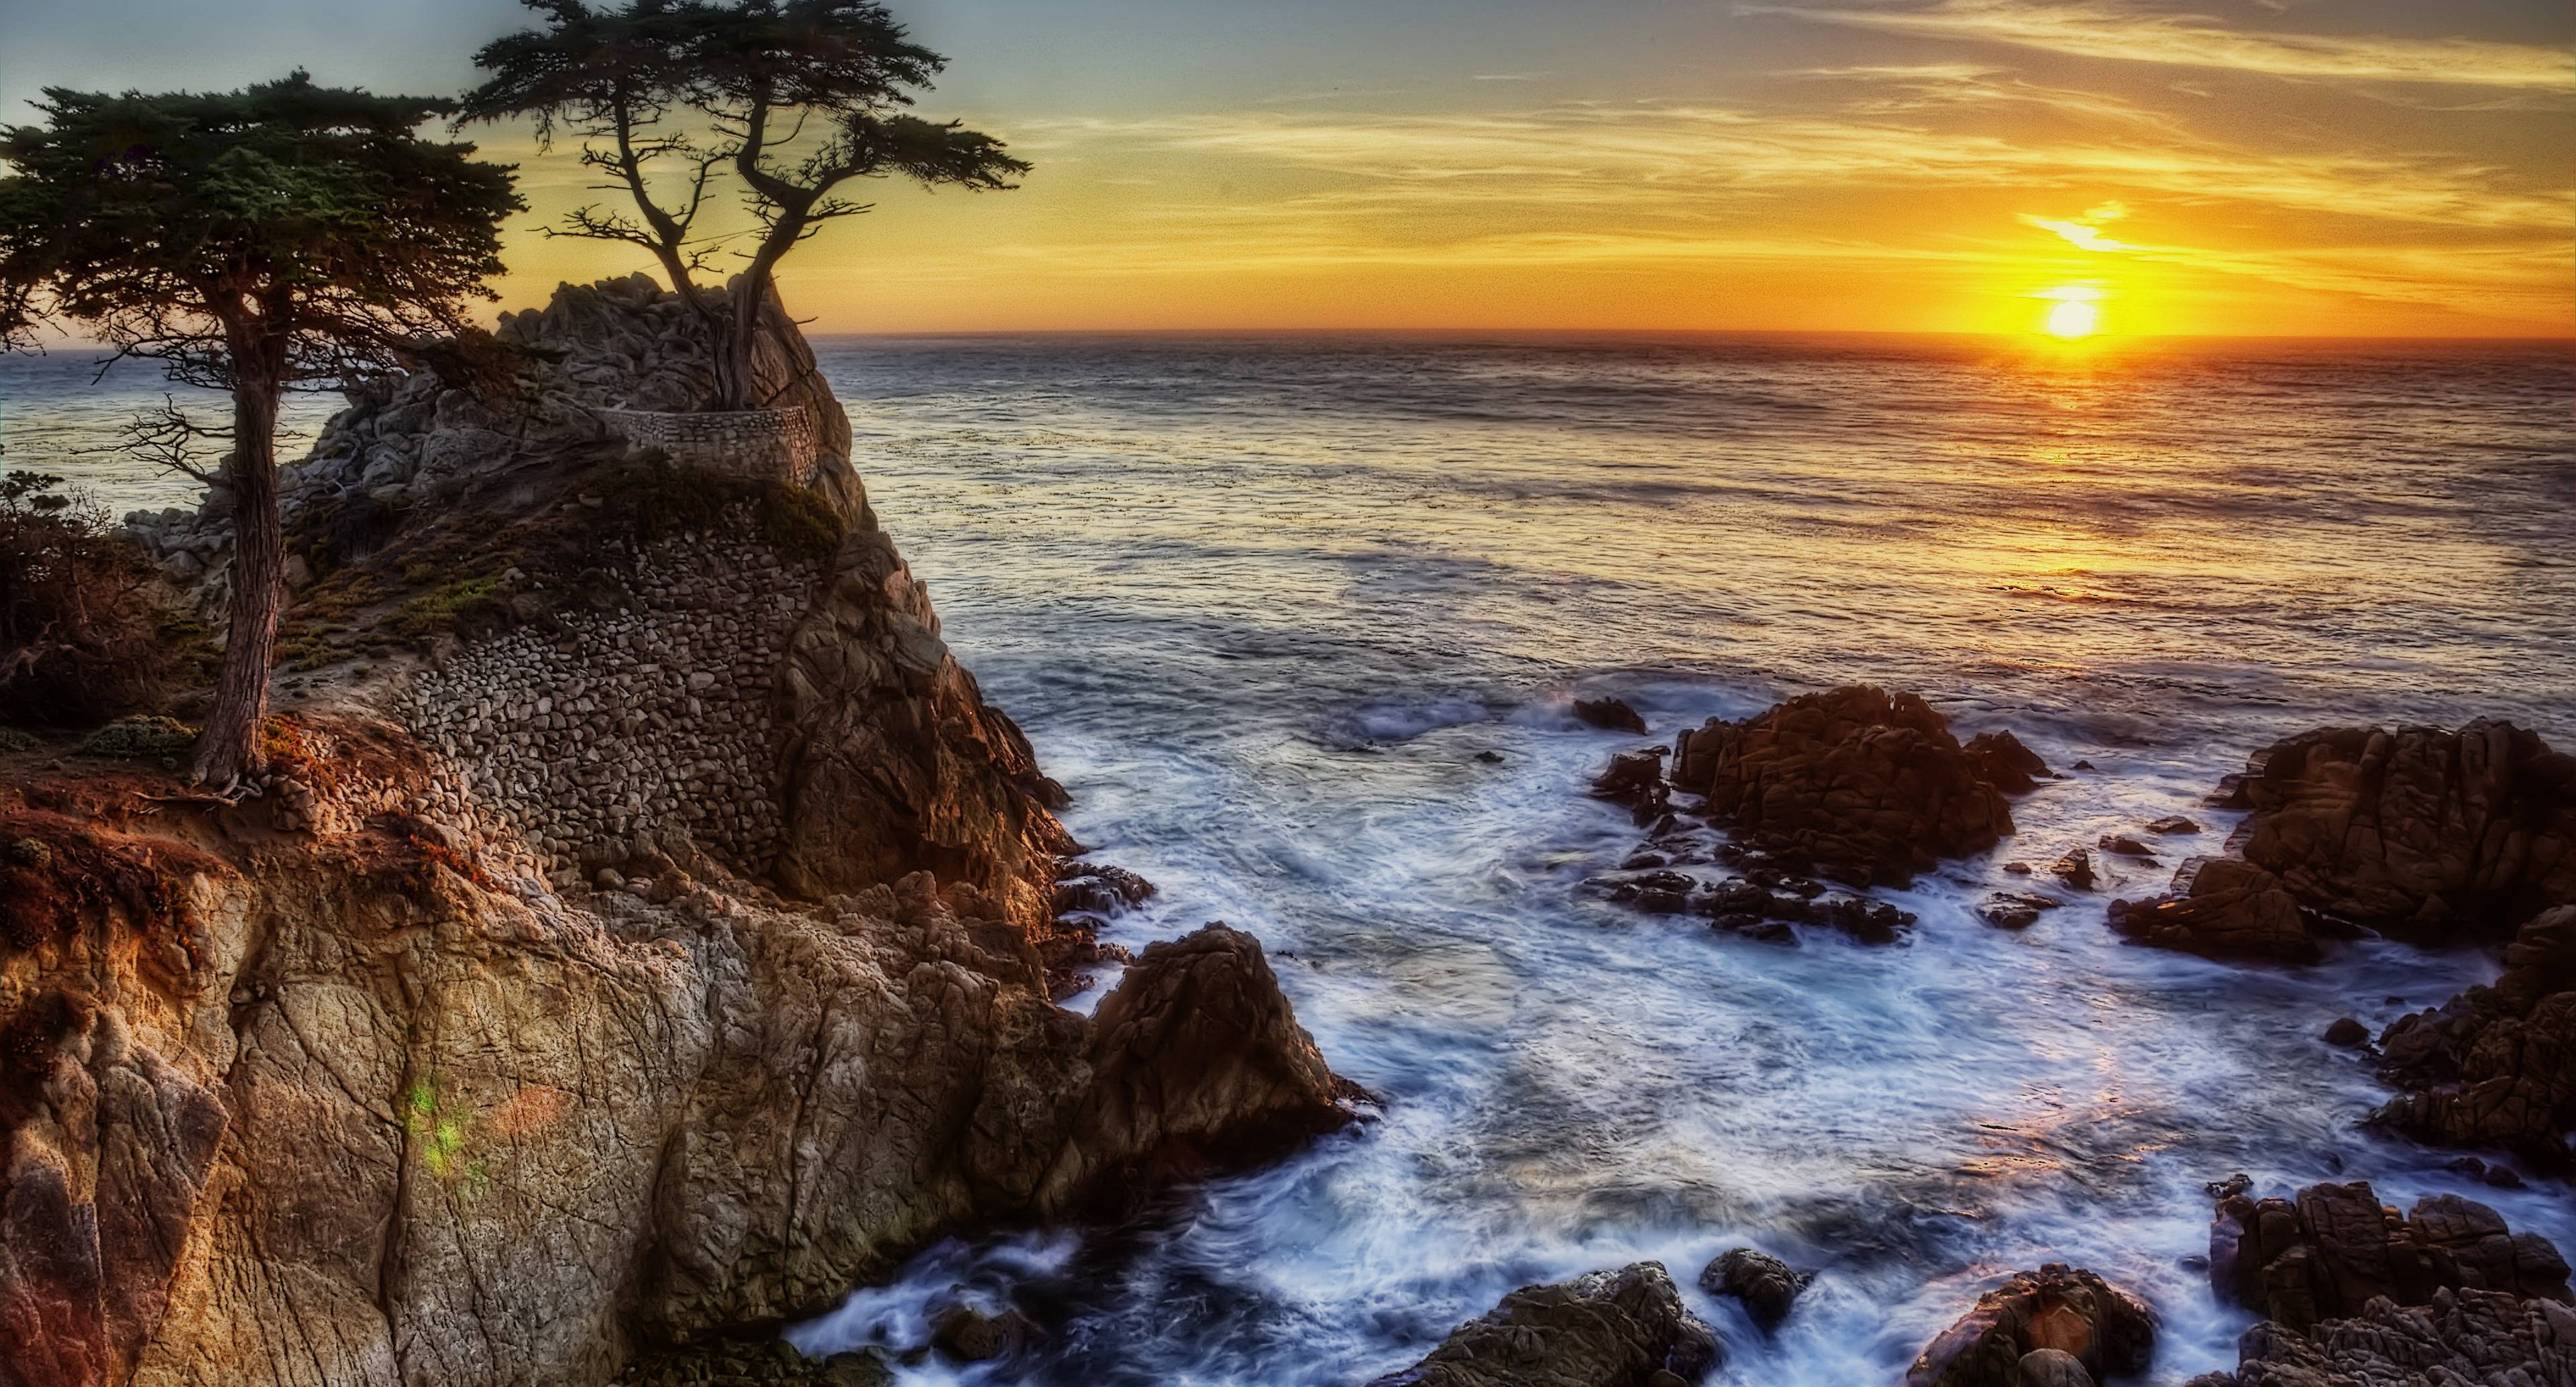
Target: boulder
{"points": [[2495, 1066], [970, 1335], [1868, 786], [2419, 833], [2221, 907], [1626, 1328], [2053, 1367], [1635, 779], [2334, 1248], [2076, 1313], [2465, 1337], [2014, 909], [1609, 714], [1766, 1285], [2001, 759]]}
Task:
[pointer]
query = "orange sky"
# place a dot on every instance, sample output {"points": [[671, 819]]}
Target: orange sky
{"points": [[2374, 167]]}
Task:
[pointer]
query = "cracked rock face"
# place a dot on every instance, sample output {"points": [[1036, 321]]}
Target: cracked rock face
{"points": [[2057, 1308], [2495, 1066], [2472, 1338], [395, 1124], [2331, 1251]]}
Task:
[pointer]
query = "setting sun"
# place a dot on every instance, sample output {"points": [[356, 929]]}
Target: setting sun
{"points": [[2074, 318]]}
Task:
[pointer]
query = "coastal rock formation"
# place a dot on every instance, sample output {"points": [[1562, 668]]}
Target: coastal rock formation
{"points": [[2463, 1337], [1626, 1328], [2221, 907], [1867, 786], [2495, 1066], [647, 931], [1767, 1286], [2001, 760], [1609, 714], [2075, 1313], [339, 1106], [2418, 833], [2331, 1251]]}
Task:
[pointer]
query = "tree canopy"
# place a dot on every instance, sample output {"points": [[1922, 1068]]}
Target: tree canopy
{"points": [[802, 98], [285, 234]]}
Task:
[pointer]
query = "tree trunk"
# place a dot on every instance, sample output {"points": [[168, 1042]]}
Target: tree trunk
{"points": [[742, 334], [229, 748]]}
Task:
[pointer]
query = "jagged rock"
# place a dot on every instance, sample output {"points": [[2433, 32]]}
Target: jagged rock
{"points": [[1635, 779], [2173, 824], [2419, 833], [971, 1336], [2001, 760], [1626, 1328], [1767, 1286], [1609, 714], [2469, 1338], [2329, 1252], [2075, 868], [2495, 1066], [2074, 1312], [2014, 909], [2221, 907], [1869, 786]]}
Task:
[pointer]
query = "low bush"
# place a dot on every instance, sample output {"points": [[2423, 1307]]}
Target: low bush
{"points": [[80, 620], [140, 738]]}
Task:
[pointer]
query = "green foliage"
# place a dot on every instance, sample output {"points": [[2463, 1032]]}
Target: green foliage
{"points": [[141, 738], [78, 611], [447, 607]]}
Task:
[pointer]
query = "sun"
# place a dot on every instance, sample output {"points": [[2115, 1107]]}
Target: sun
{"points": [[2072, 318]]}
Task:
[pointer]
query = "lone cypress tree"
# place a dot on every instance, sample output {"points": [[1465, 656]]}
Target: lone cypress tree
{"points": [[803, 98], [278, 237]]}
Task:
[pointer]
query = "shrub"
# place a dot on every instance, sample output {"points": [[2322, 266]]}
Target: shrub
{"points": [[137, 738], [11, 739], [79, 619]]}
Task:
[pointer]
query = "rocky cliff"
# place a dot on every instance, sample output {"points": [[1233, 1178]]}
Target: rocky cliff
{"points": [[643, 936]]}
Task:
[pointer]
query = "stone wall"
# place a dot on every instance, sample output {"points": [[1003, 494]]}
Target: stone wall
{"points": [[651, 718], [751, 443]]}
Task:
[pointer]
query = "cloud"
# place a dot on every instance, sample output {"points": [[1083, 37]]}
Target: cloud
{"points": [[2085, 232], [2095, 29]]}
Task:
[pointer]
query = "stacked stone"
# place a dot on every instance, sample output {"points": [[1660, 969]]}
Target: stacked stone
{"points": [[761, 443], [653, 716]]}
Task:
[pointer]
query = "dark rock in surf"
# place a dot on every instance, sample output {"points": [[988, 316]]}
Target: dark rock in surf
{"points": [[2001, 759], [2346, 1033], [971, 1336], [1626, 1328], [2075, 869], [2221, 907], [2334, 1249], [1767, 1286], [2051, 1367], [2439, 837], [2173, 825], [2465, 1337], [1868, 786], [1636, 779], [2104, 1329], [2122, 845], [2014, 909], [2495, 1066], [1609, 714], [1098, 889]]}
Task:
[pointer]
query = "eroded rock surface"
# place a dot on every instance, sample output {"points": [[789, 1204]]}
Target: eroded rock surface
{"points": [[2076, 1313], [2460, 1339], [1626, 1328], [2331, 1250], [2420, 833], [2222, 907], [1768, 1286], [1868, 786], [2495, 1067]]}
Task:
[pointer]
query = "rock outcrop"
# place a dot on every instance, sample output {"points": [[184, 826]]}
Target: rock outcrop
{"points": [[2418, 833], [2495, 1067], [1867, 786], [2332, 1250], [1626, 1328], [2055, 1309], [340, 1107], [2485, 1338], [647, 933], [2222, 907]]}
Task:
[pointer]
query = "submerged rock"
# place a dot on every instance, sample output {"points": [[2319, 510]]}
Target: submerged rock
{"points": [[1609, 714], [2015, 909], [1867, 786], [2076, 1313], [1767, 1286], [1626, 1328], [2495, 1066], [2334, 1249]]}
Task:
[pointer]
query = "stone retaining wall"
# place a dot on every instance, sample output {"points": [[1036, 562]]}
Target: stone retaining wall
{"points": [[638, 723], [753, 442]]}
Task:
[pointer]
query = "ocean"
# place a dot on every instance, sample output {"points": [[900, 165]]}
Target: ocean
{"points": [[1264, 605]]}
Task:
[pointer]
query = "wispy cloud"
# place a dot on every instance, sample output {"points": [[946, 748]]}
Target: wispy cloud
{"points": [[2095, 29]]}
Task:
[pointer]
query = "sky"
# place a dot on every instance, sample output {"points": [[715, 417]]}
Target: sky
{"points": [[2223, 167]]}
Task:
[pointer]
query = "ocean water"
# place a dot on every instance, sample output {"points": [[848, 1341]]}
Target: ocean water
{"points": [[1264, 603]]}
